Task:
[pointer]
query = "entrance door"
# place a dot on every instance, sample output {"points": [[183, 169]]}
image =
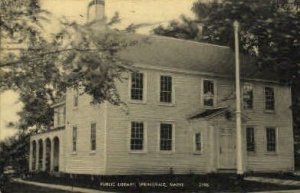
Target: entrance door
{"points": [[227, 149]]}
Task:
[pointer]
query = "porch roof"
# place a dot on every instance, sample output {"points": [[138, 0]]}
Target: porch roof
{"points": [[209, 113]]}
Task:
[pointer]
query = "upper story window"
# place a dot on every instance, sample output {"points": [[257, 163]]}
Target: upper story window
{"points": [[250, 139], [137, 86], [137, 136], [74, 139], [76, 95], [208, 93], [198, 142], [93, 136], [269, 98], [271, 139], [166, 133], [58, 120], [166, 89], [248, 96]]}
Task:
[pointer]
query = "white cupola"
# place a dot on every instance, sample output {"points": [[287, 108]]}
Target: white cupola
{"points": [[96, 11]]}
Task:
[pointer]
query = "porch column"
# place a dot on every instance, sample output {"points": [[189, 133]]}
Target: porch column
{"points": [[37, 152], [44, 156], [30, 156], [52, 156]]}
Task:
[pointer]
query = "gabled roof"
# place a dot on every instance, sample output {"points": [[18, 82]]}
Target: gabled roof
{"points": [[189, 55]]}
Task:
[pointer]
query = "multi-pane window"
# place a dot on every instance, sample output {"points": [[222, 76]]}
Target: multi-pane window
{"points": [[208, 93], [137, 85], [166, 137], [269, 98], [93, 136], [74, 139], [250, 139], [166, 89], [76, 94], [271, 139], [58, 117], [198, 145], [248, 96], [137, 136]]}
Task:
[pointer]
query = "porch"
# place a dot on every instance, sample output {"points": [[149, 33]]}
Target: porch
{"points": [[46, 151]]}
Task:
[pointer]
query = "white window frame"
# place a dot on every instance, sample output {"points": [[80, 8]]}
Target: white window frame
{"points": [[276, 142], [76, 141], [194, 142], [253, 93], [172, 103], [145, 148], [144, 88], [202, 92], [93, 150], [76, 98], [264, 95], [173, 148]]}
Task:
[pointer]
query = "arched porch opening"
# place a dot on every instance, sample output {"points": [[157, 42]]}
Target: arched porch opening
{"points": [[33, 156], [56, 154], [48, 155], [40, 156]]}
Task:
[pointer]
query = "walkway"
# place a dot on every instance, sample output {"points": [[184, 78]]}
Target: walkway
{"points": [[274, 181]]}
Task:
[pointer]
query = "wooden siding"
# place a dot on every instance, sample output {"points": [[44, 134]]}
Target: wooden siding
{"points": [[187, 90], [84, 161]]}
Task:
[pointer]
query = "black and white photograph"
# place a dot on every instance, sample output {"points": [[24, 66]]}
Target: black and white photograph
{"points": [[184, 96]]}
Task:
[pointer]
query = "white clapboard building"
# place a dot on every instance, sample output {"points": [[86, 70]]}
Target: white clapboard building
{"points": [[180, 117]]}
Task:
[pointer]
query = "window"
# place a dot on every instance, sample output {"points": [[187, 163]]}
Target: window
{"points": [[250, 139], [166, 89], [166, 137], [137, 84], [64, 115], [58, 117], [208, 93], [271, 139], [74, 139], [76, 98], [137, 136], [269, 98], [198, 145], [248, 96], [93, 136]]}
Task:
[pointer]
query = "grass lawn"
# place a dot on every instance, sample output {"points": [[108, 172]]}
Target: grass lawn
{"points": [[24, 188]]}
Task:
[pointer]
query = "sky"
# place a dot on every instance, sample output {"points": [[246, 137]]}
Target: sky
{"points": [[150, 12]]}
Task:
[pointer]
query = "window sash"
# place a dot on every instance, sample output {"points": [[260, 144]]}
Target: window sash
{"points": [[76, 95], [93, 136], [250, 139], [166, 137], [198, 142], [74, 139], [137, 86], [166, 89], [137, 136], [248, 96], [208, 93], [271, 139], [269, 98]]}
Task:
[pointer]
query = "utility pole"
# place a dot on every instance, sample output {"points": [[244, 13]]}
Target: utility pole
{"points": [[239, 135]]}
